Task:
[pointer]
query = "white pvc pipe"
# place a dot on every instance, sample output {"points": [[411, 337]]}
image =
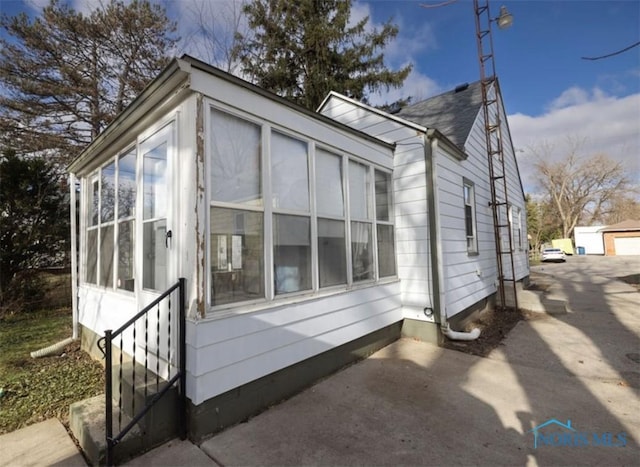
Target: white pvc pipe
{"points": [[461, 336], [54, 349], [444, 324]]}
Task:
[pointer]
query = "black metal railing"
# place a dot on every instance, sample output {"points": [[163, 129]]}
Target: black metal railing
{"points": [[175, 375]]}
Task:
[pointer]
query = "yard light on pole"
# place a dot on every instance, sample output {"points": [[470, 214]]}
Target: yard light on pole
{"points": [[505, 19]]}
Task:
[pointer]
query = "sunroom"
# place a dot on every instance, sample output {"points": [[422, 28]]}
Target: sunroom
{"points": [[279, 220]]}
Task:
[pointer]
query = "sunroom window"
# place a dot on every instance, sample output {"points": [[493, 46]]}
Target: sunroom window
{"points": [[293, 216], [110, 224], [236, 213], [361, 222], [291, 220], [332, 253]]}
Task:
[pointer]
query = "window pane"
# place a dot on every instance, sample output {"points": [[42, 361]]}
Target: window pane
{"points": [[289, 173], [331, 252], [235, 166], [386, 251], [468, 220], [383, 195], [329, 193], [106, 256], [154, 264], [361, 252], [155, 182], [107, 193], [127, 185], [359, 189], [125, 255], [291, 253], [94, 200], [237, 256], [92, 256]]}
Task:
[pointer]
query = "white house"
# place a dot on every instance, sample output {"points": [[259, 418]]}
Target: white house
{"points": [[306, 240]]}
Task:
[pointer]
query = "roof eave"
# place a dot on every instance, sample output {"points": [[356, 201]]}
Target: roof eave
{"points": [[456, 152], [172, 77]]}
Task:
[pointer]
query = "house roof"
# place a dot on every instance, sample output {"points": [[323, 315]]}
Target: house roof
{"points": [[629, 224], [452, 113], [174, 79]]}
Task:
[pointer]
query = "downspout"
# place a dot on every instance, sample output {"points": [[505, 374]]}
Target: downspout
{"points": [[74, 254], [435, 243]]}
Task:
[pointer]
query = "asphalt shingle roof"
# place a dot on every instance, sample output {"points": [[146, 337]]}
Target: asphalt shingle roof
{"points": [[451, 113], [629, 224]]}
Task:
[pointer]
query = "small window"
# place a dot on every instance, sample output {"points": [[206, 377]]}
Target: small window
{"points": [[517, 227], [384, 227], [470, 216]]}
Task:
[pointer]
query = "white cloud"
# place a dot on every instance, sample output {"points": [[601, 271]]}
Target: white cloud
{"points": [[607, 124]]}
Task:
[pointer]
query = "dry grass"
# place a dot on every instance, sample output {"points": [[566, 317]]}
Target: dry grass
{"points": [[37, 389]]}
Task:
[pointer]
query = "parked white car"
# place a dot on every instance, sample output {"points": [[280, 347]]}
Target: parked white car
{"points": [[553, 254]]}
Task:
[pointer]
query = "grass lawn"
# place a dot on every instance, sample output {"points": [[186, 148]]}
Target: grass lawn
{"points": [[31, 389]]}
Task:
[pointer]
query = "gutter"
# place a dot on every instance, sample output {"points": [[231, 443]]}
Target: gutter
{"points": [[431, 138]]}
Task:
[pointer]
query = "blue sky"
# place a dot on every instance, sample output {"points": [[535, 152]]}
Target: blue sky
{"points": [[550, 93]]}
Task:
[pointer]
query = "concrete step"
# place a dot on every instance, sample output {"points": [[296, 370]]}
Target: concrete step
{"points": [[160, 424], [87, 423]]}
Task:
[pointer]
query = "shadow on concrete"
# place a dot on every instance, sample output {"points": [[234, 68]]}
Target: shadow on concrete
{"points": [[414, 403]]}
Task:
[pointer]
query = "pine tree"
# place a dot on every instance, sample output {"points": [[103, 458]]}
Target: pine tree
{"points": [[302, 50], [64, 75]]}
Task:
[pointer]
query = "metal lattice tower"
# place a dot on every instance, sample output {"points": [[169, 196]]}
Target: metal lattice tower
{"points": [[492, 126]]}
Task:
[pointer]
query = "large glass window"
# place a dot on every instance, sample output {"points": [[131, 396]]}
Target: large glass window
{"points": [[267, 249], [236, 215], [291, 234], [111, 210], [362, 266], [470, 216], [332, 257]]}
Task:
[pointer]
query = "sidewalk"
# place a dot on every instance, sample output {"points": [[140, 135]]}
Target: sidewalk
{"points": [[414, 403], [44, 443]]}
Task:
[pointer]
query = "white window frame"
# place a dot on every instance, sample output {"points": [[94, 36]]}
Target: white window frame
{"points": [[471, 240], [86, 210], [270, 298]]}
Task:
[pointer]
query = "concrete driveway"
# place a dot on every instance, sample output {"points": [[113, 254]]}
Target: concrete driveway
{"points": [[578, 373]]}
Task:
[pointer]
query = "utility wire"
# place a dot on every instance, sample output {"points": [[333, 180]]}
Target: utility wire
{"points": [[612, 54]]}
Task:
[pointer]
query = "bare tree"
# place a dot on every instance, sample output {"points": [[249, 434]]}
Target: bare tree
{"points": [[580, 188], [216, 30]]}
